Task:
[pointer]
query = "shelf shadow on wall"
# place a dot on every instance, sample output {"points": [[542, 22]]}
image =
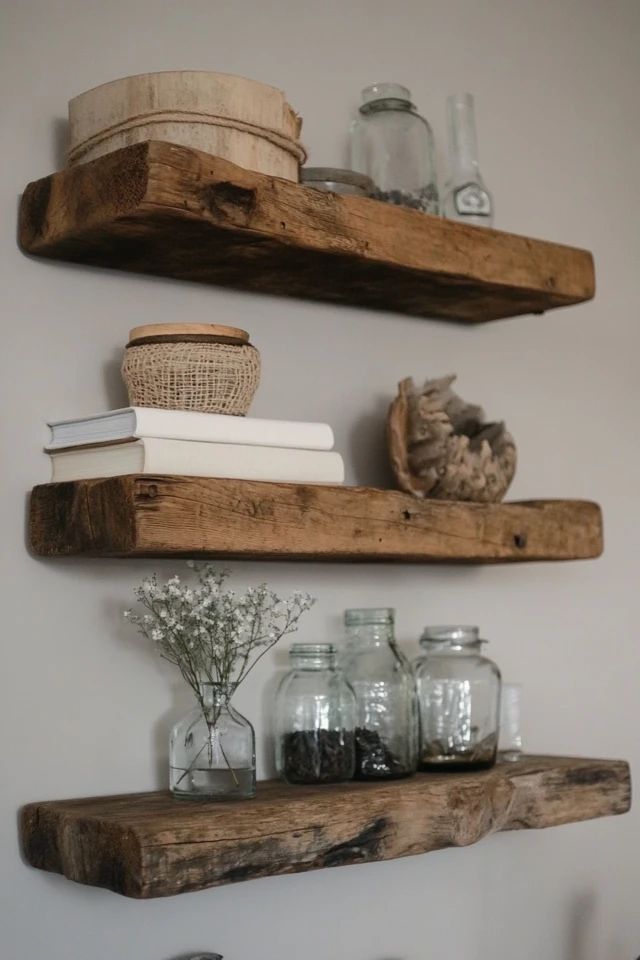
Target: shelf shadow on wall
{"points": [[368, 447]]}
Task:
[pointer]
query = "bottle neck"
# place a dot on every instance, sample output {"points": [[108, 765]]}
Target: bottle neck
{"points": [[313, 656], [385, 96], [463, 146], [370, 635], [215, 696], [305, 663], [388, 103]]}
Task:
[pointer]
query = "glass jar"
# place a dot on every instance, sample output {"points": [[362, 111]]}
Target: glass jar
{"points": [[458, 700], [212, 749], [381, 677], [510, 738], [393, 144], [315, 718]]}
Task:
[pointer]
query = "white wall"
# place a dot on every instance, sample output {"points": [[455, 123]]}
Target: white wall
{"points": [[85, 708]]}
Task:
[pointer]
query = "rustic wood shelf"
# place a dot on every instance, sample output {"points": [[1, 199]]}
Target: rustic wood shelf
{"points": [[164, 209], [150, 845], [166, 516]]}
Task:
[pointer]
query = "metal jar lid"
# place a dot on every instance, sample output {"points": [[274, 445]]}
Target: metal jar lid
{"points": [[330, 178]]}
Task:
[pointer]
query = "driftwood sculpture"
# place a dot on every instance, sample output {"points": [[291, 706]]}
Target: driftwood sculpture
{"points": [[441, 447]]}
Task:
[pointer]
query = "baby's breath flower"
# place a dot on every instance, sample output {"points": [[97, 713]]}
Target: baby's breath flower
{"points": [[210, 633]]}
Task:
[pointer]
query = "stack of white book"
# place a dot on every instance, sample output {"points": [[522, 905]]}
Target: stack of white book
{"points": [[186, 443]]}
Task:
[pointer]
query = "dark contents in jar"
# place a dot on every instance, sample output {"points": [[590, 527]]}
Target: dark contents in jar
{"points": [[438, 755], [425, 200], [318, 756], [374, 759]]}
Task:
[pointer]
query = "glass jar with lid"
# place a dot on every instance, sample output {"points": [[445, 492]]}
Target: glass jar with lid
{"points": [[394, 145], [382, 679], [315, 718], [458, 693]]}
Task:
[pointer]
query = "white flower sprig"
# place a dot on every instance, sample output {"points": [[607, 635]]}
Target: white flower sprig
{"points": [[210, 633]]}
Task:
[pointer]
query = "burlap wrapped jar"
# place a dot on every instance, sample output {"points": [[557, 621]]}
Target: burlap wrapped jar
{"points": [[191, 366]]}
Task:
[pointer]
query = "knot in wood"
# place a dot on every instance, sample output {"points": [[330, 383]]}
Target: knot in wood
{"points": [[228, 201]]}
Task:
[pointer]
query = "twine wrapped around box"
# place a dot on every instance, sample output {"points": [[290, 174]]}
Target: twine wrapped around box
{"points": [[201, 367], [241, 120]]}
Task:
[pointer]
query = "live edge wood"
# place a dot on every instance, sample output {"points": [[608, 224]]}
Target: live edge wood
{"points": [[150, 845], [167, 516], [165, 209]]}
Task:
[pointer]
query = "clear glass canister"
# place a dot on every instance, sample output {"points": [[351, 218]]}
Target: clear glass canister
{"points": [[458, 700], [386, 729], [315, 718], [393, 144]]}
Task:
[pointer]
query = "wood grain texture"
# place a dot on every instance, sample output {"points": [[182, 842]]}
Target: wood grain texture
{"points": [[166, 516], [150, 845], [165, 209]]}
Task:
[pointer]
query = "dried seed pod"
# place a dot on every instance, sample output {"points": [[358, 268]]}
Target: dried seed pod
{"points": [[441, 446]]}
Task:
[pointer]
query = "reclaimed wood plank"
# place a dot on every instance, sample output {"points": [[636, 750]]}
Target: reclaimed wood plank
{"points": [[167, 516], [152, 845], [165, 209]]}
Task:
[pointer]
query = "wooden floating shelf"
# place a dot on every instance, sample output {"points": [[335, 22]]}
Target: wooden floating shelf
{"points": [[166, 516], [151, 845], [165, 209]]}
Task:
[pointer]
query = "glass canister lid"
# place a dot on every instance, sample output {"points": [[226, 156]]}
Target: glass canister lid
{"points": [[385, 91], [459, 635]]}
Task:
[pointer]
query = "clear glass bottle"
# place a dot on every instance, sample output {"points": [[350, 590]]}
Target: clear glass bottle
{"points": [[510, 738], [212, 749], [466, 197], [315, 718], [393, 145], [458, 700], [382, 679]]}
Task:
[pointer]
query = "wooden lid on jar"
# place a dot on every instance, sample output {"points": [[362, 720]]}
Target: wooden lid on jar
{"points": [[187, 332]]}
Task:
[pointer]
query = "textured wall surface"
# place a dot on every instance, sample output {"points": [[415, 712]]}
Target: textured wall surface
{"points": [[84, 707]]}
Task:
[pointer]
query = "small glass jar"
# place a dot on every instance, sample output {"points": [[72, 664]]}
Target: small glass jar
{"points": [[315, 718], [393, 144], [212, 750], [510, 738], [458, 700], [381, 677]]}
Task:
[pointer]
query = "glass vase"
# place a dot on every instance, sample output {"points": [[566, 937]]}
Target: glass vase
{"points": [[212, 749], [466, 198], [510, 736]]}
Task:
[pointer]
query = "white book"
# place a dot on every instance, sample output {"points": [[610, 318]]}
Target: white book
{"points": [[190, 458], [130, 423]]}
